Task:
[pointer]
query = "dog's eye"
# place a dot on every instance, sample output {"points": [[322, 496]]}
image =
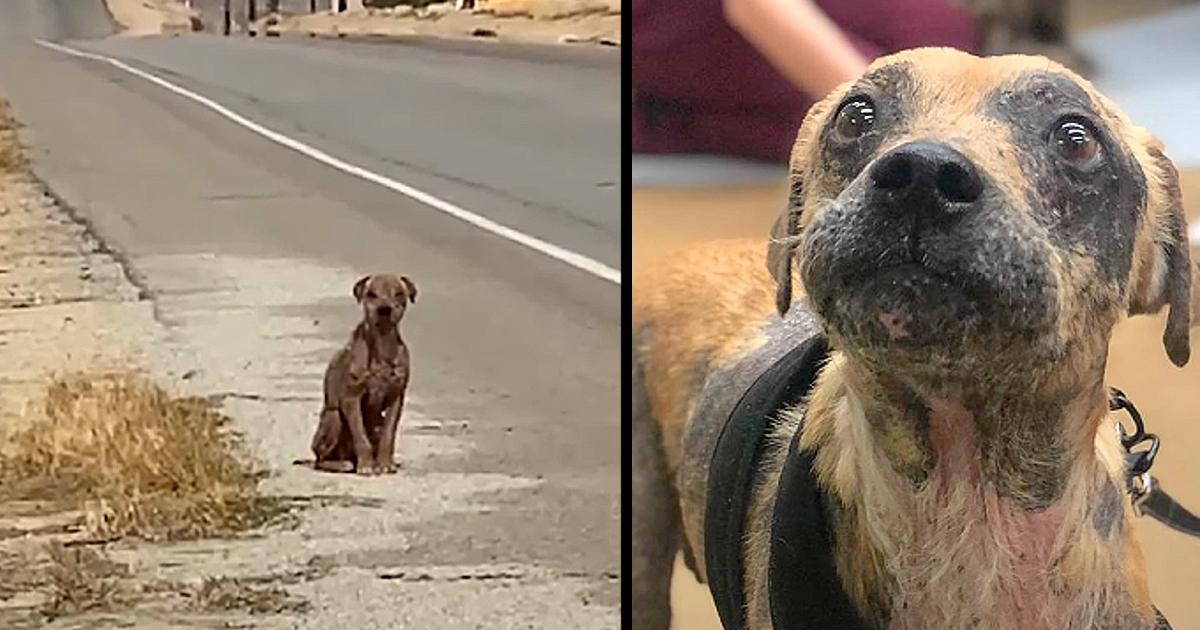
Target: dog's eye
{"points": [[370, 295], [1076, 143], [855, 118]]}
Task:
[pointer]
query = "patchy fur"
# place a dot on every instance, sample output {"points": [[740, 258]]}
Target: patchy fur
{"points": [[950, 551]]}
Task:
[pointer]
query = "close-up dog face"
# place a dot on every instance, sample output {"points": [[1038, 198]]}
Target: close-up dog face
{"points": [[384, 297], [946, 202]]}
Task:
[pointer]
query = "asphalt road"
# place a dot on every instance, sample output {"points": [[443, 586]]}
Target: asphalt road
{"points": [[248, 250]]}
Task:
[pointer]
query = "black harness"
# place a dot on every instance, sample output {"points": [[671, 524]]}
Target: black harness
{"points": [[803, 586]]}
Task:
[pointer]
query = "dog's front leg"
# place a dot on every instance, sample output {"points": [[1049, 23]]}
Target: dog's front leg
{"points": [[385, 459], [364, 460]]}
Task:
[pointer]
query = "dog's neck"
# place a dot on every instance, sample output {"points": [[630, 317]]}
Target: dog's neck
{"points": [[972, 508], [1024, 438], [382, 339]]}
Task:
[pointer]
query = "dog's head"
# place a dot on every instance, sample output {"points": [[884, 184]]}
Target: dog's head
{"points": [[946, 207], [384, 297]]}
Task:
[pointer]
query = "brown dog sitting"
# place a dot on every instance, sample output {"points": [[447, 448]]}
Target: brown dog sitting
{"points": [[365, 383]]}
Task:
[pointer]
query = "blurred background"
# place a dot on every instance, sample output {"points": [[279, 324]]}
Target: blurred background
{"points": [[714, 114]]}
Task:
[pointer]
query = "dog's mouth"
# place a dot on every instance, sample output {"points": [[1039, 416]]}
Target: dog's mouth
{"points": [[910, 302], [912, 289], [386, 316], [923, 271]]}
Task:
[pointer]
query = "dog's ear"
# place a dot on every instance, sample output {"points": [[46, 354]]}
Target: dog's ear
{"points": [[410, 288], [781, 248], [1166, 274], [785, 234], [360, 287]]}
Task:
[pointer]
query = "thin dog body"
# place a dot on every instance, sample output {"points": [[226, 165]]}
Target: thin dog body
{"points": [[365, 383], [966, 232]]}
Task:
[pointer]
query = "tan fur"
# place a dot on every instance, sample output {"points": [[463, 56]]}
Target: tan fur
{"points": [[704, 305]]}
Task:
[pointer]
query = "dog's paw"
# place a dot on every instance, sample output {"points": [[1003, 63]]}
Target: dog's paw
{"points": [[367, 470], [386, 468]]}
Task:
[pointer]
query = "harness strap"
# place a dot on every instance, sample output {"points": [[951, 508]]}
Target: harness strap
{"points": [[802, 579], [734, 466]]}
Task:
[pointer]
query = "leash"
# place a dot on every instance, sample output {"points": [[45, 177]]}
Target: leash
{"points": [[1148, 497]]}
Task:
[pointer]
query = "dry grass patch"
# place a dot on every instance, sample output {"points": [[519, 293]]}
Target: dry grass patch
{"points": [[11, 158], [64, 581], [245, 595], [141, 461], [82, 580]]}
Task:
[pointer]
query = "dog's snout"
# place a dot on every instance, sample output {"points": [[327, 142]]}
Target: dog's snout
{"points": [[384, 311], [921, 172]]}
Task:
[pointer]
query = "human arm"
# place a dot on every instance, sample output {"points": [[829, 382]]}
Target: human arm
{"points": [[799, 40]]}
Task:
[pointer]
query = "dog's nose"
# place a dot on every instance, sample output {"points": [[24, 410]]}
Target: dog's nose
{"points": [[384, 311], [927, 176]]}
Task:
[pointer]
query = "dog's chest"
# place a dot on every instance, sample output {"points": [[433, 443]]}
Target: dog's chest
{"points": [[385, 381], [380, 382], [989, 566]]}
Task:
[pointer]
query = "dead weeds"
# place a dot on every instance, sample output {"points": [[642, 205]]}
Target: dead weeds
{"points": [[11, 158], [140, 461], [81, 580], [64, 580], [244, 595]]}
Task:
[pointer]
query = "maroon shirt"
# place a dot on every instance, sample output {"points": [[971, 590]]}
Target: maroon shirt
{"points": [[699, 87]]}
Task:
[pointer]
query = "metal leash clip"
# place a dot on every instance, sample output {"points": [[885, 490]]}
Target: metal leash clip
{"points": [[1138, 463]]}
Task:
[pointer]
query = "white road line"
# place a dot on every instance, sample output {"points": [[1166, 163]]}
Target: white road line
{"points": [[576, 260]]}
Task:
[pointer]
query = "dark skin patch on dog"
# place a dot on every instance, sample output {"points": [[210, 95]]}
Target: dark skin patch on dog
{"points": [[893, 92], [1107, 515], [916, 414], [1020, 451], [1078, 208], [906, 436]]}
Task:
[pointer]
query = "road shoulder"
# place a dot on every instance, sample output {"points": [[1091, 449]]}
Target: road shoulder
{"points": [[597, 27], [141, 18]]}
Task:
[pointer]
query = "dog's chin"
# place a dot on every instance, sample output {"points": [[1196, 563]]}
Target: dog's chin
{"points": [[929, 326], [904, 306]]}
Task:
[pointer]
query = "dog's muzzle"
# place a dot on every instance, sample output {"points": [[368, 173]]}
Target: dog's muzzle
{"points": [[921, 250]]}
